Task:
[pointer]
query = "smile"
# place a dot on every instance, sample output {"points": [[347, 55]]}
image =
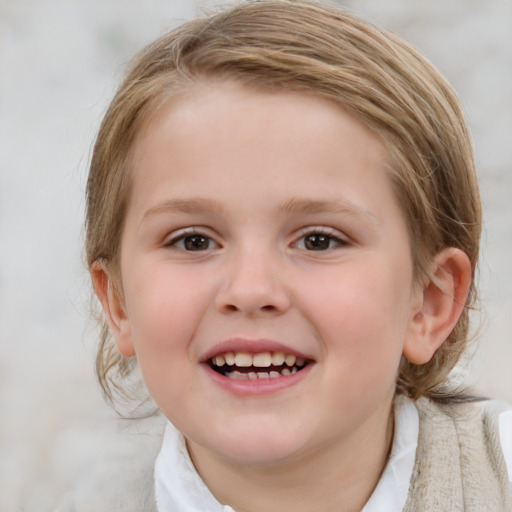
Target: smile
{"points": [[263, 365]]}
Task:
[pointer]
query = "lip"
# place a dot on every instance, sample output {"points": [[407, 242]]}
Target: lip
{"points": [[257, 387]]}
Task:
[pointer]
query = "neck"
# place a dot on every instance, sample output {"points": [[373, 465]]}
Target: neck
{"points": [[338, 477]]}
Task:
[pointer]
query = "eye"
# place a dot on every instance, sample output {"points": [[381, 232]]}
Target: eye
{"points": [[319, 241], [193, 242]]}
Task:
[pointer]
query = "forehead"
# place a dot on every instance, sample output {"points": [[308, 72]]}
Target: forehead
{"points": [[229, 110], [225, 135]]}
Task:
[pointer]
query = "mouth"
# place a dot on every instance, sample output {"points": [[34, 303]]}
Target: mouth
{"points": [[258, 366]]}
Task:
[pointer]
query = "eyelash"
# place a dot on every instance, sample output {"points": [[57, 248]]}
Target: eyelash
{"points": [[190, 233], [329, 234]]}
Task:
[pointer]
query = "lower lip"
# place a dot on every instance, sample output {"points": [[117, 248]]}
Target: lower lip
{"points": [[259, 386]]}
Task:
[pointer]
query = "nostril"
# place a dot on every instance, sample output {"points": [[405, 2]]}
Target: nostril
{"points": [[231, 307], [251, 300]]}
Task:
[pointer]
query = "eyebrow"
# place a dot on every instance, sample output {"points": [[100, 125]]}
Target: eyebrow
{"points": [[193, 205], [294, 205], [331, 206]]}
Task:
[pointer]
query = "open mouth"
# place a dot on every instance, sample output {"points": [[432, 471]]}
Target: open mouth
{"points": [[263, 365]]}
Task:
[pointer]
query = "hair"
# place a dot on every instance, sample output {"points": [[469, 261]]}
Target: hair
{"points": [[315, 49]]}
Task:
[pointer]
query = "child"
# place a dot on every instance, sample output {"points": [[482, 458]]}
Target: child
{"points": [[282, 228]]}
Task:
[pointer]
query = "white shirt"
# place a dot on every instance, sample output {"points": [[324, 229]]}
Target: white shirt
{"points": [[178, 486]]}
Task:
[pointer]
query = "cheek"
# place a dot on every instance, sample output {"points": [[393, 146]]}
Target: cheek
{"points": [[164, 308], [362, 319]]}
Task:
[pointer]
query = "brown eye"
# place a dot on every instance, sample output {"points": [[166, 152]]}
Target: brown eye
{"points": [[317, 242], [190, 240], [196, 243]]}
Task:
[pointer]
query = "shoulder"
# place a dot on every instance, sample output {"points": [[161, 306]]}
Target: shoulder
{"points": [[479, 426], [483, 412], [122, 478], [460, 461]]}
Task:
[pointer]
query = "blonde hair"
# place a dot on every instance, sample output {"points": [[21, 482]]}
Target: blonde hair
{"points": [[308, 47]]}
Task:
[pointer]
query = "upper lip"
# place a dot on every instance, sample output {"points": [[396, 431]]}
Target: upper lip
{"points": [[251, 346]]}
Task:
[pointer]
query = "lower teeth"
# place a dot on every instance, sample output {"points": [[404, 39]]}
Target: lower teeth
{"points": [[260, 375]]}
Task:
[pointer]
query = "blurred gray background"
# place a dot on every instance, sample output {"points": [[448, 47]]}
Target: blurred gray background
{"points": [[59, 64]]}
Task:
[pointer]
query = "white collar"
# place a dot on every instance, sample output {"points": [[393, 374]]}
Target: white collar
{"points": [[178, 486], [393, 487]]}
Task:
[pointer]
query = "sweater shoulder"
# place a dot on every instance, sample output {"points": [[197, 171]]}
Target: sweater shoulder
{"points": [[459, 460], [471, 410]]}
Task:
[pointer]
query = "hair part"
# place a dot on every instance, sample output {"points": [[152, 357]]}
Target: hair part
{"points": [[310, 48]]}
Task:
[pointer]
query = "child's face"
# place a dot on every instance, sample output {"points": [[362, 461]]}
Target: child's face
{"points": [[265, 224]]}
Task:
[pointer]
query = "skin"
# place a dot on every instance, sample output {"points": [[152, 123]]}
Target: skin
{"points": [[259, 175]]}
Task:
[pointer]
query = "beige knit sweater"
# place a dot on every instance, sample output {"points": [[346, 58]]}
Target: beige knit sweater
{"points": [[459, 467], [459, 463]]}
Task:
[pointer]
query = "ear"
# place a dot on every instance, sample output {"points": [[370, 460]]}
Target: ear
{"points": [[113, 306], [441, 303]]}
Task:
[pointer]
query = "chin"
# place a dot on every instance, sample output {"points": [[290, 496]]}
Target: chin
{"points": [[258, 446]]}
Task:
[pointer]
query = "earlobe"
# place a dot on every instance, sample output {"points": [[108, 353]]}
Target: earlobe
{"points": [[442, 302], [113, 307]]}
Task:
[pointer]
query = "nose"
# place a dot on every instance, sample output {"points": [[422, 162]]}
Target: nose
{"points": [[253, 284]]}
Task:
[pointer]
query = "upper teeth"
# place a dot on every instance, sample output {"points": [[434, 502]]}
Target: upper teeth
{"points": [[259, 360]]}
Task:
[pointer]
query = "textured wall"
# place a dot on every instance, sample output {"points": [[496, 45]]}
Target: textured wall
{"points": [[59, 63]]}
